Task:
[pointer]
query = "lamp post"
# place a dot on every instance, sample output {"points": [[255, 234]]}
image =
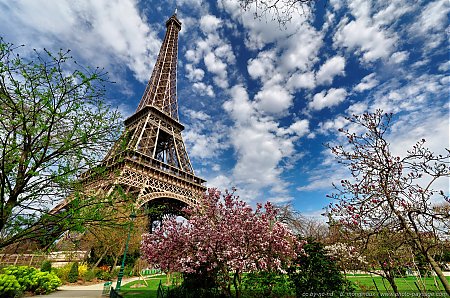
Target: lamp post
{"points": [[122, 266]]}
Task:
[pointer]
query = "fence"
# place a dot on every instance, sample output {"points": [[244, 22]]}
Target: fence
{"points": [[58, 258], [22, 259]]}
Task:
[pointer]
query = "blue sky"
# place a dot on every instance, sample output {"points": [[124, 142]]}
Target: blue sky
{"points": [[259, 101]]}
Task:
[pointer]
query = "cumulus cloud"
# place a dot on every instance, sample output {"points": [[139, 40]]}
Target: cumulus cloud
{"points": [[367, 83], [331, 68], [327, 99], [431, 22], [103, 34], [262, 67], [273, 100], [261, 145], [363, 34], [305, 80], [300, 127], [194, 74], [399, 57], [213, 50], [209, 23], [416, 93], [239, 106], [203, 89], [444, 66]]}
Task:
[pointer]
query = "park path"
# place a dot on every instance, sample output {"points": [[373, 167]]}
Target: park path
{"points": [[80, 291]]}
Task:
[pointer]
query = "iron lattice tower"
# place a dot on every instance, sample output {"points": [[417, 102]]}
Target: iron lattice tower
{"points": [[150, 161]]}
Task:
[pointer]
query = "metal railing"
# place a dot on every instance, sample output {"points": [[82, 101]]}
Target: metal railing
{"points": [[161, 293], [114, 294]]}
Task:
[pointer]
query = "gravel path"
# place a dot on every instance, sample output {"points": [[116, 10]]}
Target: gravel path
{"points": [[78, 291]]}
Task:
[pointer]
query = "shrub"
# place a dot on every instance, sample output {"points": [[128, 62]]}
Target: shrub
{"points": [[33, 280], [47, 282], [26, 276], [89, 275], [63, 272], [73, 273], [82, 269], [46, 266], [104, 275], [316, 272], [9, 286], [267, 284]]}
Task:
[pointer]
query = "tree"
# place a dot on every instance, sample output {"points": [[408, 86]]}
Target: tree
{"points": [[390, 192], [73, 273], [222, 238], [54, 125], [279, 10], [107, 243], [300, 225], [316, 272]]}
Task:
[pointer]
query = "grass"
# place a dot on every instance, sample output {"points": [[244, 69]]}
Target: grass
{"points": [[364, 284], [132, 290]]}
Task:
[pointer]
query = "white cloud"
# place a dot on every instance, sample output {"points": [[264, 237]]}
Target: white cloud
{"points": [[262, 66], [220, 182], [194, 74], [415, 94], [263, 148], [431, 23], [399, 57], [332, 124], [205, 137], [357, 108], [331, 68], [273, 100], [239, 107], [393, 11], [300, 127], [213, 50], [102, 32], [327, 99], [301, 81], [362, 35], [217, 67], [197, 115], [300, 55], [367, 83], [203, 89], [444, 66], [209, 23]]}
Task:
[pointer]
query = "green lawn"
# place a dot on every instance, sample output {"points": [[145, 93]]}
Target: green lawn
{"points": [[133, 289], [365, 283]]}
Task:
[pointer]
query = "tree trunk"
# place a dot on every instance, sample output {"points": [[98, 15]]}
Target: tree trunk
{"points": [[438, 271], [237, 284], [168, 279], [115, 263], [391, 281], [101, 257], [415, 237]]}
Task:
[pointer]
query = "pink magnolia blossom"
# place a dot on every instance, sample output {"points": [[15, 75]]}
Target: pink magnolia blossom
{"points": [[223, 234]]}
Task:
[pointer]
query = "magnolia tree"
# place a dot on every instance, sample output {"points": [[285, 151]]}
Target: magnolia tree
{"points": [[223, 237], [347, 257], [389, 192]]}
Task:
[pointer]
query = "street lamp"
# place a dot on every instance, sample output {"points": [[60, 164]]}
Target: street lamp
{"points": [[119, 277]]}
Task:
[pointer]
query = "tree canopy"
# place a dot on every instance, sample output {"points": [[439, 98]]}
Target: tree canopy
{"points": [[54, 124], [390, 192], [222, 239]]}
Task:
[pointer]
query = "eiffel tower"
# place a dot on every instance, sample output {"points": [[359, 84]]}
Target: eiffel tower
{"points": [[149, 161]]}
